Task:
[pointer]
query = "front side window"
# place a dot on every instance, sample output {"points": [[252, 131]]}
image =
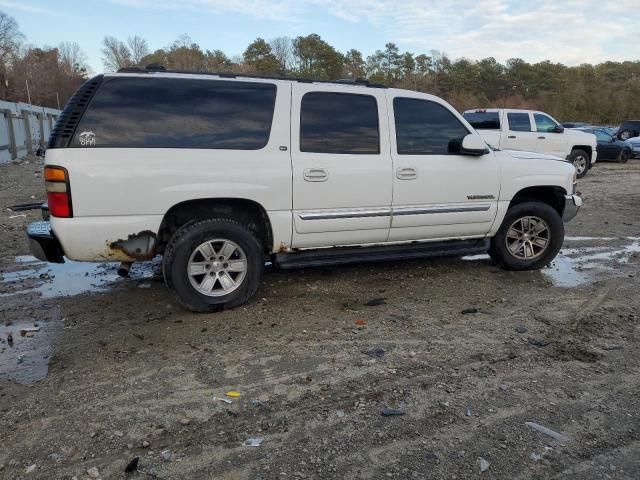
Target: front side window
{"points": [[601, 135], [519, 122], [426, 128], [178, 113], [340, 123], [544, 123]]}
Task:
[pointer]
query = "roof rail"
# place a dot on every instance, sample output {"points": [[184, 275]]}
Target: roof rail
{"points": [[154, 67]]}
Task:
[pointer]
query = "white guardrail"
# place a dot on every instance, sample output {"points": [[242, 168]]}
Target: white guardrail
{"points": [[24, 129]]}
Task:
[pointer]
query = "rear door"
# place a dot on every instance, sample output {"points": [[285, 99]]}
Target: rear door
{"points": [[548, 141], [518, 132], [342, 175]]}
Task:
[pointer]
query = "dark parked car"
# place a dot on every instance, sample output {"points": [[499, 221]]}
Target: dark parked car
{"points": [[609, 147], [629, 129]]}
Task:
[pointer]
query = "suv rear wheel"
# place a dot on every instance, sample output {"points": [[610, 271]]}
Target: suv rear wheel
{"points": [[580, 160], [213, 264], [529, 238]]}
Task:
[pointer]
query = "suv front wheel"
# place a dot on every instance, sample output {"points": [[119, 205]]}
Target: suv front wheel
{"points": [[529, 238], [213, 264], [580, 160]]}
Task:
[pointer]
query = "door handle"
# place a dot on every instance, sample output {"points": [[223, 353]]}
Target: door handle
{"points": [[406, 173], [511, 136], [541, 138], [316, 174]]}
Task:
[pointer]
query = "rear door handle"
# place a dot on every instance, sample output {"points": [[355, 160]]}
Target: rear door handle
{"points": [[316, 174], [541, 138], [406, 173], [511, 136]]}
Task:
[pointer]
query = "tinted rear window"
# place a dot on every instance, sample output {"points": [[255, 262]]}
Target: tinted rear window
{"points": [[178, 113], [483, 120], [519, 122], [339, 123]]}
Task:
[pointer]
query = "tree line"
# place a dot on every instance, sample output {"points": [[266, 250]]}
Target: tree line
{"points": [[606, 93]]}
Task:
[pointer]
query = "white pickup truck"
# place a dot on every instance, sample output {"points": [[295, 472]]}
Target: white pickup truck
{"points": [[532, 131], [219, 173]]}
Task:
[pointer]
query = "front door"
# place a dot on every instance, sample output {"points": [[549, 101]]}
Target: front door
{"points": [[549, 141], [342, 176], [437, 194]]}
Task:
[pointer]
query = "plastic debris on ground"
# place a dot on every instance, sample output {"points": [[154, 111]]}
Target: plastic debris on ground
{"points": [[225, 400], [547, 431], [233, 394], [253, 442], [374, 352], [391, 412]]}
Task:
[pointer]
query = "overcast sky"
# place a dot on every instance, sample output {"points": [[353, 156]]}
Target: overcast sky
{"points": [[567, 31]]}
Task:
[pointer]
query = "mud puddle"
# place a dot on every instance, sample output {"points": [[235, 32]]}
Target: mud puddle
{"points": [[25, 350], [51, 280]]}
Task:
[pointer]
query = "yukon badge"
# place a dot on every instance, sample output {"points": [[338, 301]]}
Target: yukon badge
{"points": [[87, 139], [481, 197]]}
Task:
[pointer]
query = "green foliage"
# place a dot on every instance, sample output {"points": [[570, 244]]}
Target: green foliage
{"points": [[315, 58], [259, 57]]}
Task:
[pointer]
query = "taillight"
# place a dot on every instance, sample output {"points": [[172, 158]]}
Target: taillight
{"points": [[58, 191]]}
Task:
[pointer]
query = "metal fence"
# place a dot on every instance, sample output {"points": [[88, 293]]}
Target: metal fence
{"points": [[24, 129]]}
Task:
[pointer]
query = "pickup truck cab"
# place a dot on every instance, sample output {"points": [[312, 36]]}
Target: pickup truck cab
{"points": [[220, 173], [529, 130]]}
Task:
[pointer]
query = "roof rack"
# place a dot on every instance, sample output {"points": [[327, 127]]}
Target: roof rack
{"points": [[155, 67]]}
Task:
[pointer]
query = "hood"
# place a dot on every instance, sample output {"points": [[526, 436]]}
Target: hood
{"points": [[584, 137], [533, 155]]}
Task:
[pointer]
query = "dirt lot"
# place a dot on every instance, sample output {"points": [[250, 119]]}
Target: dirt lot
{"points": [[130, 373]]}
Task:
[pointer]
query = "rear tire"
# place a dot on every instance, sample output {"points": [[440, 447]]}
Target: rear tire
{"points": [[213, 264], [624, 156], [529, 238], [580, 159]]}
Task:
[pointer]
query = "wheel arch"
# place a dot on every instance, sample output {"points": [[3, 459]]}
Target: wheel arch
{"points": [[551, 195], [245, 211]]}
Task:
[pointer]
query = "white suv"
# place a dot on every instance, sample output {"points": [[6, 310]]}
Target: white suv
{"points": [[220, 173]]}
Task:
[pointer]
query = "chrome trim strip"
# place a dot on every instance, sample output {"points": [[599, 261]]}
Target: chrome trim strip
{"points": [[345, 214], [444, 209]]}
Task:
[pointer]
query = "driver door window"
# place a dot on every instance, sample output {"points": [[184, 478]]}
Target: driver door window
{"points": [[544, 123]]}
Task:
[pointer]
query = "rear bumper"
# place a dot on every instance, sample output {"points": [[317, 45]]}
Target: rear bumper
{"points": [[572, 204], [43, 243]]}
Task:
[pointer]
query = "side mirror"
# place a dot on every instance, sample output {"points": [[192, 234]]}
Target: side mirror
{"points": [[557, 129], [474, 145]]}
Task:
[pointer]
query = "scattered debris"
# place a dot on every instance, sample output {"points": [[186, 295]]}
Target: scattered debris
{"points": [[145, 444], [21, 215], [468, 412], [257, 403], [10, 340], [521, 329], [132, 466], [535, 457], [484, 464], [31, 468], [253, 442], [547, 431], [93, 472], [144, 285], [26, 206], [412, 354], [536, 342], [233, 394], [390, 412], [25, 331], [470, 310], [225, 400], [375, 302], [360, 322], [185, 421], [339, 413], [166, 455], [374, 352], [503, 387]]}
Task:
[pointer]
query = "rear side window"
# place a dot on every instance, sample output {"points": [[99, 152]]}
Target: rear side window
{"points": [[339, 123], [483, 120], [178, 113], [544, 123], [519, 122], [426, 128]]}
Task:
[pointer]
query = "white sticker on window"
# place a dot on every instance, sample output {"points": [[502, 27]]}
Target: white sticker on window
{"points": [[87, 139]]}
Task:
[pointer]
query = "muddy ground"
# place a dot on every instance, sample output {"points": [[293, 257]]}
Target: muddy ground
{"points": [[122, 370]]}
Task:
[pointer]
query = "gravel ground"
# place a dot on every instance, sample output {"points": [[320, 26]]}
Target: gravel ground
{"points": [[467, 352]]}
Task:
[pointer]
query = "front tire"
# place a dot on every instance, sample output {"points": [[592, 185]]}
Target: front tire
{"points": [[213, 264], [624, 156], [580, 160], [529, 238]]}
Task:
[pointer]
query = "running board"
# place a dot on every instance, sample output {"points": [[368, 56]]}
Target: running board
{"points": [[343, 255]]}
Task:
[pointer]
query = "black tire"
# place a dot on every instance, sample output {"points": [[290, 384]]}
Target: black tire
{"points": [[624, 156], [501, 254], [625, 134], [184, 243], [581, 160]]}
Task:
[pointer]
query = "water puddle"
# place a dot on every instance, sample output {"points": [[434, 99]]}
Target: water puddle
{"points": [[25, 350], [51, 280], [575, 266]]}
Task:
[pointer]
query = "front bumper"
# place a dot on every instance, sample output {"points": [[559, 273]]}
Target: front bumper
{"points": [[43, 243], [572, 204]]}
